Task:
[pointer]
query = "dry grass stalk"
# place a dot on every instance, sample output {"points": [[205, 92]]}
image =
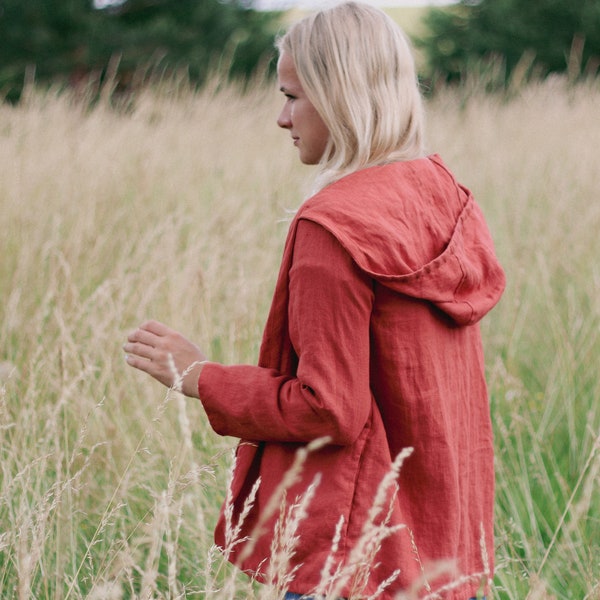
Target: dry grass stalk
{"points": [[172, 211]]}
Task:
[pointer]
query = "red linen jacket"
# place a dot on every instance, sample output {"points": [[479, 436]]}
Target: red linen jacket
{"points": [[372, 340]]}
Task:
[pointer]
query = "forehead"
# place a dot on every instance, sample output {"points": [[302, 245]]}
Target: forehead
{"points": [[286, 72]]}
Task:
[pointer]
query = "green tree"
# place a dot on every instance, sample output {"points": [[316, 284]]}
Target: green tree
{"points": [[42, 36], [548, 35], [69, 40]]}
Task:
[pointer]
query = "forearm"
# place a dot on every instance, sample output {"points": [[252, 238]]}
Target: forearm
{"points": [[260, 404]]}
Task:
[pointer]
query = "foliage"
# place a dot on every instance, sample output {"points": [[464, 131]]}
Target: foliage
{"points": [[540, 36], [71, 41]]}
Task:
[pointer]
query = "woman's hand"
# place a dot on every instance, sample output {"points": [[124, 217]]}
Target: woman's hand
{"points": [[166, 355]]}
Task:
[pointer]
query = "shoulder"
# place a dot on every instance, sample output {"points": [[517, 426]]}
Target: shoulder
{"points": [[390, 218], [375, 187]]}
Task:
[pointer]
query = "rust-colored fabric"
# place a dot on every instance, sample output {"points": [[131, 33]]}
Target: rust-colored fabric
{"points": [[372, 339]]}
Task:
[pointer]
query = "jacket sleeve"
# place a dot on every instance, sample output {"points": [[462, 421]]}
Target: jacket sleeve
{"points": [[329, 310]]}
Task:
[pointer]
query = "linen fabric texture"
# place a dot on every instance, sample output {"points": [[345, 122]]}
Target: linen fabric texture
{"points": [[372, 340]]}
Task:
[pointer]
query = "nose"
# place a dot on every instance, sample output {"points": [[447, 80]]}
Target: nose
{"points": [[285, 117]]}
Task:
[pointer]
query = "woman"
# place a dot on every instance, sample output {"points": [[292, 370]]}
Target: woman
{"points": [[371, 350]]}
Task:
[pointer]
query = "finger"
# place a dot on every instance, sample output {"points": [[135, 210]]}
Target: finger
{"points": [[142, 350], [143, 337], [143, 364], [151, 368], [156, 327]]}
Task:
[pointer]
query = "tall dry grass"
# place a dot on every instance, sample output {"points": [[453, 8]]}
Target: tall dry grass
{"points": [[177, 209]]}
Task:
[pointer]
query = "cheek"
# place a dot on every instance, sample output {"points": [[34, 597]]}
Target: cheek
{"points": [[321, 133], [318, 141]]}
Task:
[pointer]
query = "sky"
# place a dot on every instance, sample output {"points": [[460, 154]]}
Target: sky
{"points": [[311, 4]]}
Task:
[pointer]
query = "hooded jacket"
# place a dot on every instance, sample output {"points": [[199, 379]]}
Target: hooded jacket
{"points": [[372, 341]]}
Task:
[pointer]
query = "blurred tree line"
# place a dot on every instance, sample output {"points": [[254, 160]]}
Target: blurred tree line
{"points": [[81, 41], [521, 39], [77, 41]]}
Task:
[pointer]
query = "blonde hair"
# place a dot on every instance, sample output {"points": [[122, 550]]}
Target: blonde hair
{"points": [[356, 67]]}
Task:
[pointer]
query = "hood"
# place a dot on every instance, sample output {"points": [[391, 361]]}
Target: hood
{"points": [[414, 229]]}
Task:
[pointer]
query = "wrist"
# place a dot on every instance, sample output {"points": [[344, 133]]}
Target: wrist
{"points": [[190, 377]]}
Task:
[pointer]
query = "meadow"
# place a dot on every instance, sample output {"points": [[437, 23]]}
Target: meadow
{"points": [[176, 209]]}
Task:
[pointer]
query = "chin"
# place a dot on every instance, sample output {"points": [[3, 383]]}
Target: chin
{"points": [[309, 160]]}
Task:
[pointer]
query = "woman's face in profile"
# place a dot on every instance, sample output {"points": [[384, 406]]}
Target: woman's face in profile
{"points": [[299, 116]]}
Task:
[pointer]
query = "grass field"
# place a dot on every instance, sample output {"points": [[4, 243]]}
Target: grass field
{"points": [[176, 210]]}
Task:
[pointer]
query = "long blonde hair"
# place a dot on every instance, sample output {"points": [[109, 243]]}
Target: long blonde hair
{"points": [[356, 66]]}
